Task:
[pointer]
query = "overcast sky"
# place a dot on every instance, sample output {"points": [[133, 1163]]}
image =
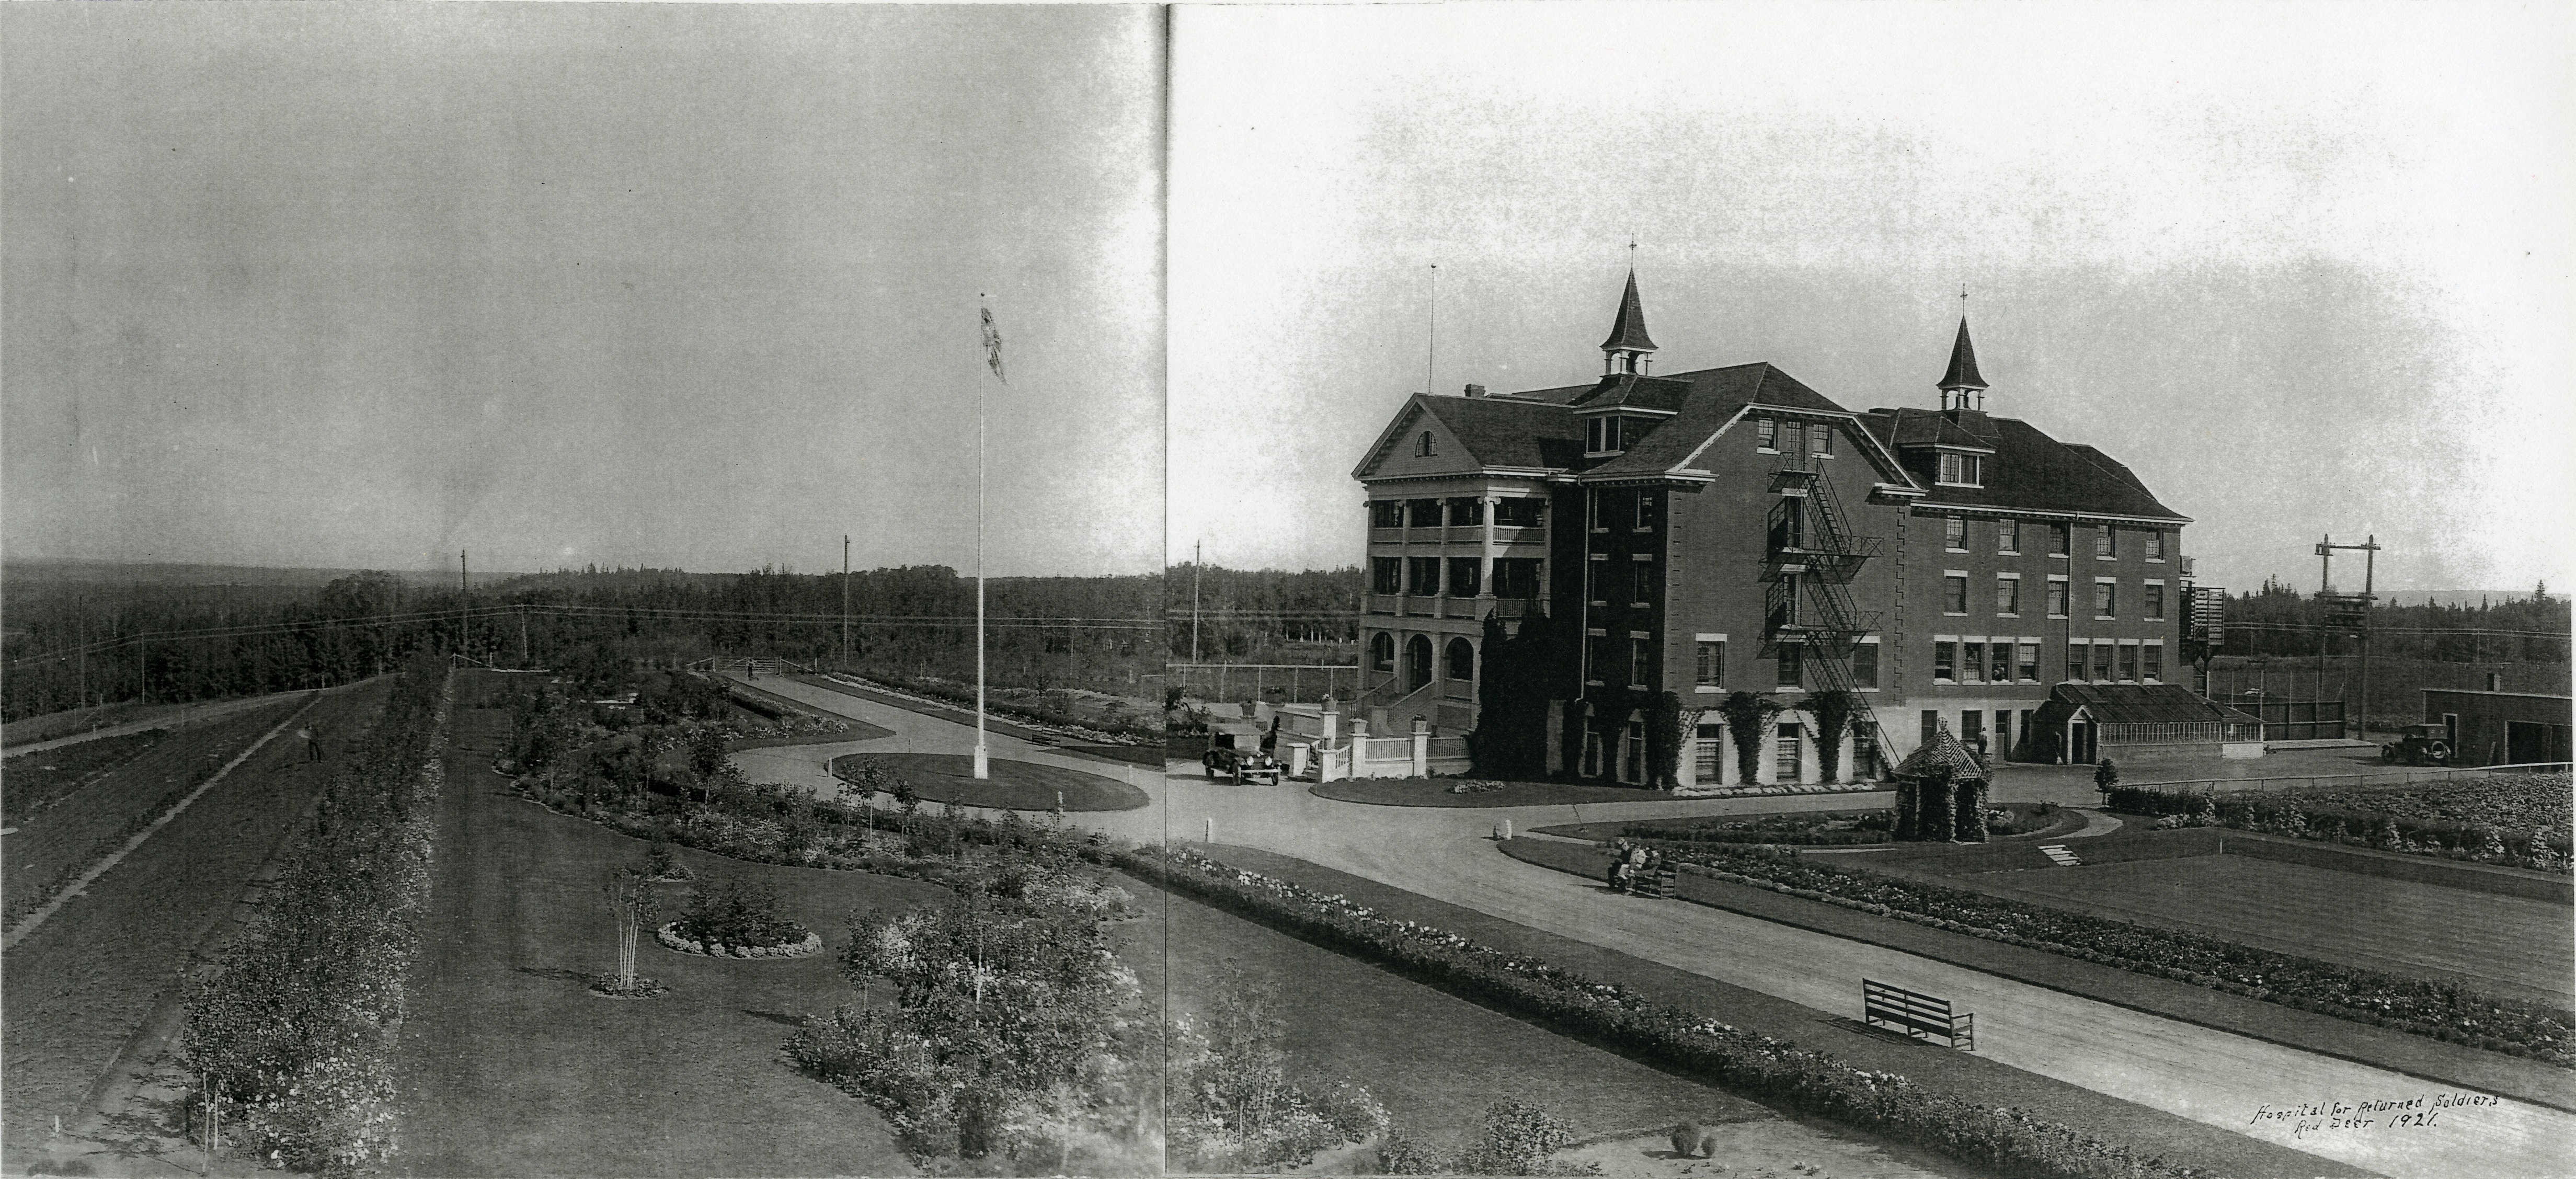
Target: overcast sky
{"points": [[681, 285], [2305, 268]]}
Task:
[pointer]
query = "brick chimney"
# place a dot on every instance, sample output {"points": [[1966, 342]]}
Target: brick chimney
{"points": [[2495, 681]]}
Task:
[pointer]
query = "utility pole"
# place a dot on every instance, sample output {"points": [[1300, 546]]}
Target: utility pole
{"points": [[1198, 552], [845, 601], [464, 604], [2351, 610], [523, 634]]}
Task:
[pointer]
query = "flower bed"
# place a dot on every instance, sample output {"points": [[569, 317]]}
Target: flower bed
{"points": [[1995, 1139], [297, 1028], [2515, 820], [670, 937], [2425, 1008]]}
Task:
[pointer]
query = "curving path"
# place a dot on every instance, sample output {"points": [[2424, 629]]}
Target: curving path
{"points": [[2200, 1073]]}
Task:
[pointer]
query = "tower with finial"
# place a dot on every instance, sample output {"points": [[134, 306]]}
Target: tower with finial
{"points": [[1963, 387], [1629, 349]]}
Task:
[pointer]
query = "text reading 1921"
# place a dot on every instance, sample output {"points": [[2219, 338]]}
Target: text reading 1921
{"points": [[2310, 1117]]}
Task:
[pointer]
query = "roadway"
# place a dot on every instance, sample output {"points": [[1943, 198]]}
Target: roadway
{"points": [[2200, 1073]]}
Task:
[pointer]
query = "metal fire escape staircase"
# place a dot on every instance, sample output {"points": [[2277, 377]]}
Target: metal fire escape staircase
{"points": [[1807, 571]]}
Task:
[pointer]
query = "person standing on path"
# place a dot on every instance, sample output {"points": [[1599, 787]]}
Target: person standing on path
{"points": [[312, 748]]}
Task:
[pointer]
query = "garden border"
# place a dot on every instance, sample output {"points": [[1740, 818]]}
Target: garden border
{"points": [[2404, 1052]]}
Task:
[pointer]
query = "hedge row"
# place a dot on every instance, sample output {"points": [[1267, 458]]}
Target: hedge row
{"points": [[2425, 1008], [296, 1027], [2514, 820], [1994, 1139]]}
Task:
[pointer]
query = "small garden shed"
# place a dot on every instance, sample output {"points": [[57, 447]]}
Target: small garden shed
{"points": [[1941, 793]]}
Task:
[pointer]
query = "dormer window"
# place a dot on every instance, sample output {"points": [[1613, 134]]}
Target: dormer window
{"points": [[1962, 470], [1604, 435], [1422, 448]]}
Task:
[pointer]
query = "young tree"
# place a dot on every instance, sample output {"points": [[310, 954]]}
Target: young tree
{"points": [[628, 894]]}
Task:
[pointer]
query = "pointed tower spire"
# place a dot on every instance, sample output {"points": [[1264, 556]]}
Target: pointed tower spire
{"points": [[1963, 381], [1628, 343]]}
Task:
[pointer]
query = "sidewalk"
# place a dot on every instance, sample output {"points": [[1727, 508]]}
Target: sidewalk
{"points": [[1938, 1069]]}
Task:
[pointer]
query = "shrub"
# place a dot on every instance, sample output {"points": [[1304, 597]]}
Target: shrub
{"points": [[1985, 1137], [296, 1028], [733, 913], [2438, 1010], [2523, 814]]}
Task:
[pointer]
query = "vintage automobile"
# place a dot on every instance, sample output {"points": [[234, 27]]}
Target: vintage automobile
{"points": [[1234, 751], [2419, 745]]}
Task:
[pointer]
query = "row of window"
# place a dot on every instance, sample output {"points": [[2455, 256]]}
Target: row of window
{"points": [[1708, 668], [1456, 511], [2060, 537], [1632, 581], [1514, 577], [2106, 596], [2005, 661], [1461, 657], [1778, 434], [1960, 470]]}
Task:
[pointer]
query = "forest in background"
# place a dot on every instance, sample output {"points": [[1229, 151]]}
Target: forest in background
{"points": [[72, 642]]}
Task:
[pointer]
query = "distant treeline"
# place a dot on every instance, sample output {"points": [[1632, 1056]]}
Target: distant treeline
{"points": [[2279, 620], [72, 643], [1246, 612]]}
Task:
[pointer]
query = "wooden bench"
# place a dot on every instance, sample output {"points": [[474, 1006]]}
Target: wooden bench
{"points": [[1916, 1014]]}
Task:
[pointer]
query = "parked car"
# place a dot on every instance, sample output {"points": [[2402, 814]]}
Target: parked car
{"points": [[2419, 745], [1234, 750]]}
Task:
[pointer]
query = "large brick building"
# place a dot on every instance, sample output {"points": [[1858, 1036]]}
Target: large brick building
{"points": [[1730, 529]]}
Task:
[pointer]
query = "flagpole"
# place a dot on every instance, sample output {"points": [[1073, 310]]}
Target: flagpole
{"points": [[983, 763]]}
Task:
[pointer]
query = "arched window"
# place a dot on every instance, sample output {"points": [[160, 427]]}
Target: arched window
{"points": [[1462, 661], [1382, 652], [1417, 661], [1423, 447]]}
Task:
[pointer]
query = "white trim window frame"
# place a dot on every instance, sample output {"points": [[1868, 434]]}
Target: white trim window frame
{"points": [[2153, 607], [2002, 580], [1952, 642], [2007, 537], [1878, 661], [1704, 677], [2106, 599], [2059, 584], [1950, 525], [2027, 654], [1954, 579]]}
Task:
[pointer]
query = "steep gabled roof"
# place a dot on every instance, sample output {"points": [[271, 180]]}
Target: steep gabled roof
{"points": [[1626, 389], [1963, 363], [1628, 331], [1716, 396], [2030, 471], [1510, 433]]}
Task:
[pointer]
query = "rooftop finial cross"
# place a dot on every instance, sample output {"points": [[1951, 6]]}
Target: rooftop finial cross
{"points": [[1963, 298]]}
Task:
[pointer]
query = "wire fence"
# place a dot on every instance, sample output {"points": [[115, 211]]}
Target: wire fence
{"points": [[1278, 683], [2386, 781]]}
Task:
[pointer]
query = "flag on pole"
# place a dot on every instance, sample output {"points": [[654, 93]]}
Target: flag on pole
{"points": [[993, 346]]}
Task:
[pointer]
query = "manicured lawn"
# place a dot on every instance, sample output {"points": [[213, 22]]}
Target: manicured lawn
{"points": [[1959, 1073], [2453, 1064], [98, 969], [1437, 1061], [1142, 755], [1014, 785], [1679, 828], [2516, 948], [514, 1068], [1436, 792]]}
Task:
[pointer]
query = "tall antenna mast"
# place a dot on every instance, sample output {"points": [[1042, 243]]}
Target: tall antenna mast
{"points": [[845, 600], [1431, 358]]}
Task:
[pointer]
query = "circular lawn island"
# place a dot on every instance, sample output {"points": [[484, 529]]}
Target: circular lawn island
{"points": [[1014, 785]]}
